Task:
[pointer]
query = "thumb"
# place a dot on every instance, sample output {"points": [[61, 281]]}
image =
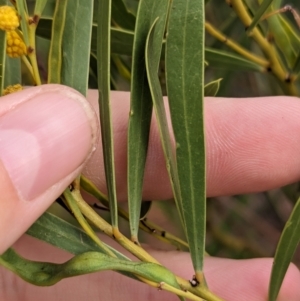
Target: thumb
{"points": [[46, 135]]}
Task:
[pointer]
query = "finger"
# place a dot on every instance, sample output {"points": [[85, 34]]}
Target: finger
{"points": [[46, 135], [232, 280], [252, 145]]}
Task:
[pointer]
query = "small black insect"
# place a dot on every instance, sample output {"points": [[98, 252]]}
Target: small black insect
{"points": [[71, 187], [194, 282]]}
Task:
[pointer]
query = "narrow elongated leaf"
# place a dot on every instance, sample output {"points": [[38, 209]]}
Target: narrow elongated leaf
{"points": [[278, 3], [152, 55], [2, 59], [49, 8], [140, 108], [22, 10], [260, 12], [12, 71], [212, 88], [286, 248], [103, 55], [285, 36], [76, 45], [60, 233], [39, 7], [122, 16], [45, 274], [132, 6], [291, 31], [296, 68], [121, 41], [185, 85], [55, 53], [224, 59]]}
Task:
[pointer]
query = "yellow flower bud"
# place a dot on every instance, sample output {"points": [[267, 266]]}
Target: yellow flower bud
{"points": [[9, 19], [12, 89], [15, 46]]}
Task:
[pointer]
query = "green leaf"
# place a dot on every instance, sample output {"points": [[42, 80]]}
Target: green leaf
{"points": [[48, 10], [39, 7], [260, 12], [285, 36], [132, 6], [152, 54], [60, 233], [293, 35], [23, 12], [121, 41], [121, 16], [103, 55], [140, 108], [12, 71], [72, 204], [278, 3], [212, 88], [185, 86], [2, 59], [224, 59], [55, 53], [76, 45], [296, 68], [286, 248], [45, 274]]}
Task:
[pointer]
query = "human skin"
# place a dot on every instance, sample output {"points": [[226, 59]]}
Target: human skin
{"points": [[252, 145]]}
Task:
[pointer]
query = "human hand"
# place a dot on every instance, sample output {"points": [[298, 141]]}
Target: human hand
{"points": [[252, 145]]}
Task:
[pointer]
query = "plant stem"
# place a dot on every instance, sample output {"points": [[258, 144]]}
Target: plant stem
{"points": [[235, 46], [144, 224], [32, 50], [185, 294], [72, 204], [161, 234], [266, 47], [134, 249], [100, 223]]}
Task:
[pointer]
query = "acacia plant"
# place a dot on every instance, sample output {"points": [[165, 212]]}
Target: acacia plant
{"points": [[155, 47]]}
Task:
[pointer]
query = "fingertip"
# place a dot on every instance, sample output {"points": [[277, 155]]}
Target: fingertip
{"points": [[46, 135]]}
